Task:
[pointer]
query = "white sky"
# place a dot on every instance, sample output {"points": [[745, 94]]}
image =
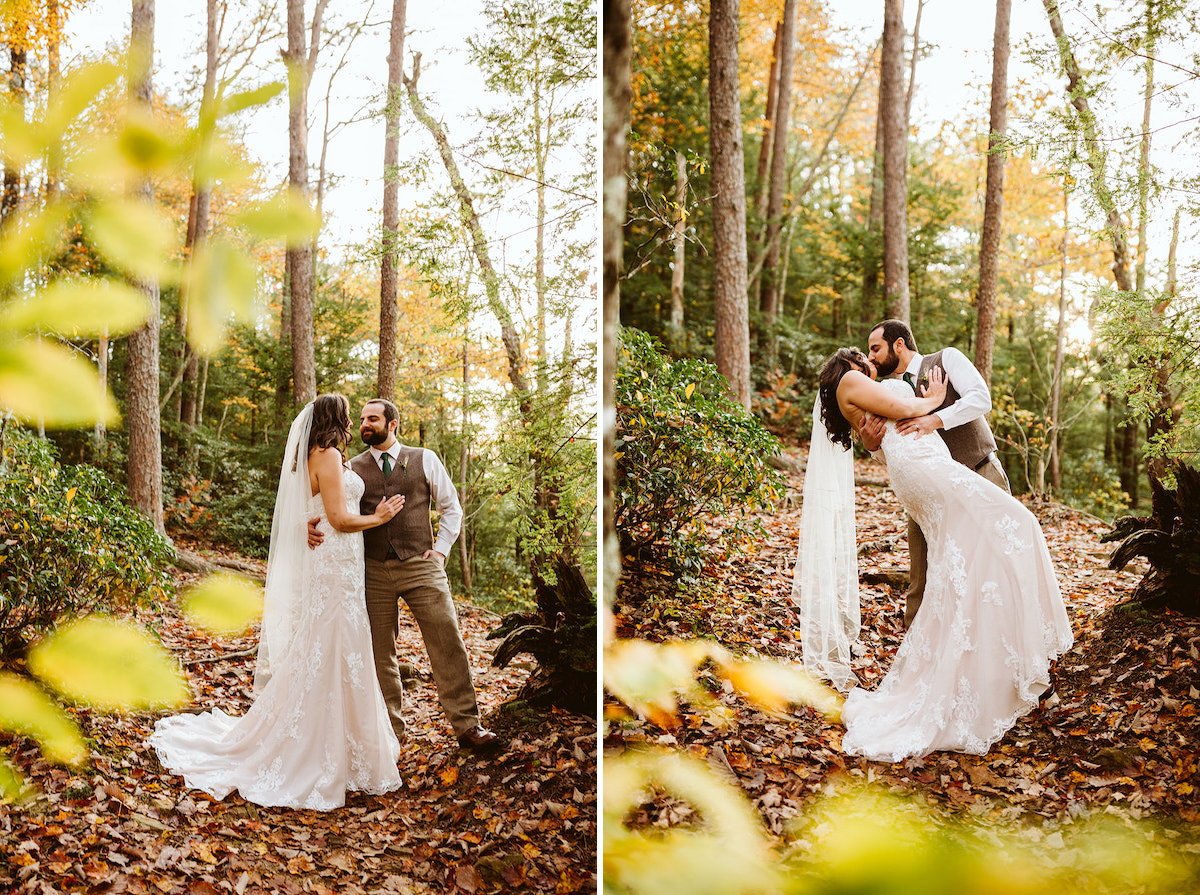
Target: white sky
{"points": [[448, 83]]}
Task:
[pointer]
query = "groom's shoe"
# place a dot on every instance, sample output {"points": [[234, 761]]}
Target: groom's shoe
{"points": [[479, 739]]}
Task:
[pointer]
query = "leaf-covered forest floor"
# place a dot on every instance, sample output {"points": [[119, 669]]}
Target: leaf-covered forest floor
{"points": [[523, 820], [1119, 736]]}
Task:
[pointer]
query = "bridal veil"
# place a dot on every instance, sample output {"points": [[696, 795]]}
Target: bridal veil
{"points": [[825, 583], [285, 585]]}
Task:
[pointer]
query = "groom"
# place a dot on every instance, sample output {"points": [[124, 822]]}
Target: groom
{"points": [[961, 421], [403, 561]]}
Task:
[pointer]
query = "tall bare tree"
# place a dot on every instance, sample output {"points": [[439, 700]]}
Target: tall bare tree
{"points": [[769, 296], [388, 310], [141, 406], [675, 331], [732, 312], [618, 91], [198, 218], [895, 162], [761, 180], [993, 201], [301, 60]]}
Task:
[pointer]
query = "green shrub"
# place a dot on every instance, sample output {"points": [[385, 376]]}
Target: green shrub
{"points": [[683, 449], [69, 545]]}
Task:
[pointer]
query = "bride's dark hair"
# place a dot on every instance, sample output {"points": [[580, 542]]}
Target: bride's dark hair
{"points": [[330, 422], [843, 361]]}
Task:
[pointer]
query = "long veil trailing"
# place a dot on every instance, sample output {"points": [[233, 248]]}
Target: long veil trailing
{"points": [[825, 583], [286, 562]]}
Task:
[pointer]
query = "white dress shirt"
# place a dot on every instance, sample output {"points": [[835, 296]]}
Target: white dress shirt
{"points": [[974, 398], [441, 491]]}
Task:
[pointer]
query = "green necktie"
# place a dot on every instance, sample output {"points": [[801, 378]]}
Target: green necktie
{"points": [[908, 377], [387, 465]]}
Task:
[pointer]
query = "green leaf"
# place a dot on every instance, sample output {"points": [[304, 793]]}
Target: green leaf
{"points": [[134, 235], [109, 664], [238, 102], [222, 283], [224, 604], [27, 710], [79, 308], [287, 215], [40, 379]]}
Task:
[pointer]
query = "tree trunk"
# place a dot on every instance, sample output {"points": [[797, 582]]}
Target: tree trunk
{"points": [[300, 256], [198, 231], [470, 219], [385, 386], [895, 162], [732, 313], [1059, 349], [912, 65], [993, 203], [617, 89], [1095, 154], [141, 411], [769, 296], [874, 226], [675, 327], [53, 79], [764, 148], [464, 459], [10, 199]]}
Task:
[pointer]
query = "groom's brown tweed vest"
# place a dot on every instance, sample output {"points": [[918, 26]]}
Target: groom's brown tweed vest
{"points": [[969, 443], [409, 532]]}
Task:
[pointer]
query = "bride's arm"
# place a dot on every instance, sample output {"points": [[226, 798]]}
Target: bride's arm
{"points": [[325, 467], [865, 393]]}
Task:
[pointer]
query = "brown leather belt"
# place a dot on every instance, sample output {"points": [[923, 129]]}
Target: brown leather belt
{"points": [[986, 460]]}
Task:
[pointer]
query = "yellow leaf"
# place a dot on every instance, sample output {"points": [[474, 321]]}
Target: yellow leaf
{"points": [[73, 396], [776, 686], [222, 284], [687, 392], [110, 665], [26, 710], [79, 308], [288, 215], [29, 239], [224, 604], [135, 236]]}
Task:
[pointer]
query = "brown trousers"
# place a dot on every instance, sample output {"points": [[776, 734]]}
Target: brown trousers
{"points": [[422, 584], [918, 550]]}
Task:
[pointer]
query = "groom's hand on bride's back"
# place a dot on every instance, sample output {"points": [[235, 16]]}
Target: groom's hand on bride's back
{"points": [[314, 534], [872, 431]]}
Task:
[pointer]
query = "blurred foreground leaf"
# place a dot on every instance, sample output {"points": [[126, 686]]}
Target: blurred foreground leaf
{"points": [[724, 853], [45, 380], [287, 216], [224, 604], [109, 665], [26, 710], [222, 285], [134, 235], [79, 308]]}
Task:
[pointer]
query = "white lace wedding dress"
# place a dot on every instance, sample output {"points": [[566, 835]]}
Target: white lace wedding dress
{"points": [[319, 726], [977, 655]]}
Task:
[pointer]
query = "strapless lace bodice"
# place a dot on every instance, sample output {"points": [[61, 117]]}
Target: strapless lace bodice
{"points": [[354, 487]]}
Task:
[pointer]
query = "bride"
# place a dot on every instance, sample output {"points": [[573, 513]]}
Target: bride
{"points": [[978, 653], [318, 726]]}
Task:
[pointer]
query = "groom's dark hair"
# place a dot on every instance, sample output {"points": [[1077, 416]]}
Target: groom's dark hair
{"points": [[390, 410], [894, 329]]}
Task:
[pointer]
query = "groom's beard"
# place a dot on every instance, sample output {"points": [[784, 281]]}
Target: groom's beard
{"points": [[372, 436], [886, 366]]}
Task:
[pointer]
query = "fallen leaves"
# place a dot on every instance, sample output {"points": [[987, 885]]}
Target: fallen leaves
{"points": [[522, 820], [1119, 735]]}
